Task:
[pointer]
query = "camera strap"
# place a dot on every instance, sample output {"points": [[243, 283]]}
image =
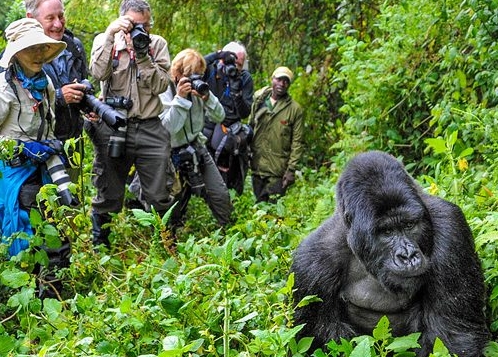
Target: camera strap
{"points": [[191, 129], [41, 128], [117, 54]]}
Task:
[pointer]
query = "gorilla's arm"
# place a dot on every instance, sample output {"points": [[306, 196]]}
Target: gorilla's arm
{"points": [[452, 308], [320, 267]]}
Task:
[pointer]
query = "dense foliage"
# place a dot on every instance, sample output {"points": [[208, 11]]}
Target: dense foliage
{"points": [[415, 78]]}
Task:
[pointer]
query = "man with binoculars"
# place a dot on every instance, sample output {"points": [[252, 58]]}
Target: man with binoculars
{"points": [[133, 64]]}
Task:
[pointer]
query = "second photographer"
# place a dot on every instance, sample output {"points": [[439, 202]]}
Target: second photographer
{"points": [[186, 102], [232, 83], [131, 64]]}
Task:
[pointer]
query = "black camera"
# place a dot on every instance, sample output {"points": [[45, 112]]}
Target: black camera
{"points": [[119, 102], [17, 159], [190, 165], [230, 66], [140, 38], [109, 115], [198, 84]]}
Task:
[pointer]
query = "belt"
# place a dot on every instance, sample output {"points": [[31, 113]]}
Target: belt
{"points": [[141, 120]]}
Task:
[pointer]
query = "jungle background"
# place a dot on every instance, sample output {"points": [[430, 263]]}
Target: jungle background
{"points": [[414, 78]]}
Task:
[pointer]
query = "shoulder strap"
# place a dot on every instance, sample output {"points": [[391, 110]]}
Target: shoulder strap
{"points": [[173, 87], [1, 68], [71, 47]]}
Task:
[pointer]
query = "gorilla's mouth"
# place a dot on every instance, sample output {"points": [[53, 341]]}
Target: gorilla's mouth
{"points": [[403, 285], [409, 267]]}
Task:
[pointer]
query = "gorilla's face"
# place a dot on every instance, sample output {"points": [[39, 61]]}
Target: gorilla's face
{"points": [[395, 245], [389, 227]]}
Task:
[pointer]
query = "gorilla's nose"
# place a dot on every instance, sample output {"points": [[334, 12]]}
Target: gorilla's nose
{"points": [[408, 256]]}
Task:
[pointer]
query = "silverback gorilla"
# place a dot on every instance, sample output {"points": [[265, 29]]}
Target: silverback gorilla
{"points": [[391, 249]]}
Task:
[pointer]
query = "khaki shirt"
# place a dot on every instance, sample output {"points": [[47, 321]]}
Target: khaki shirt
{"points": [[141, 80], [20, 120]]}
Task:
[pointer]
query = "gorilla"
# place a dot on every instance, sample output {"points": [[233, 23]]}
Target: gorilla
{"points": [[391, 250]]}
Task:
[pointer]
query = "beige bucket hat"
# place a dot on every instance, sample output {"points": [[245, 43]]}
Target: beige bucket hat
{"points": [[27, 32]]}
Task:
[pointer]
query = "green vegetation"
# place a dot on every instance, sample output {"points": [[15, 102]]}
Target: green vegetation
{"points": [[415, 78]]}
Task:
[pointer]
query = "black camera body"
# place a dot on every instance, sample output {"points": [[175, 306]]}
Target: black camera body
{"points": [[109, 115], [119, 102], [190, 165], [230, 66], [140, 38], [198, 84]]}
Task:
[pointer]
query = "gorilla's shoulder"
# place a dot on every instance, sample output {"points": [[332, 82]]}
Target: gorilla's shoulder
{"points": [[449, 220], [323, 244]]}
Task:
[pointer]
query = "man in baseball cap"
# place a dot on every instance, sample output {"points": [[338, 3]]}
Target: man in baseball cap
{"points": [[278, 125], [283, 72]]}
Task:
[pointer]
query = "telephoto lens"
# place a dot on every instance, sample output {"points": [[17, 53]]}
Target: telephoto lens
{"points": [[117, 143], [59, 176], [109, 115]]}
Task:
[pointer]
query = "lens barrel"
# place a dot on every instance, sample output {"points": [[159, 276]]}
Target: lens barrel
{"points": [[117, 143], [59, 176]]}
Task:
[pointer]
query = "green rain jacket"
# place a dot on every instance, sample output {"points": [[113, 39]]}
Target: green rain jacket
{"points": [[277, 145]]}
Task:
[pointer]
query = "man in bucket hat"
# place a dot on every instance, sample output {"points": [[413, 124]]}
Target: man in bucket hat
{"points": [[277, 121], [26, 120]]}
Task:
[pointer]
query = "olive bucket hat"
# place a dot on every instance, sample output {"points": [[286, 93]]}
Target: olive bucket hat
{"points": [[25, 33]]}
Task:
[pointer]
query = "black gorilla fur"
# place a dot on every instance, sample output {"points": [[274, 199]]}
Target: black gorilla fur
{"points": [[391, 249]]}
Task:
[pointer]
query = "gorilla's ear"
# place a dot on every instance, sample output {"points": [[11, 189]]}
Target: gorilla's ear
{"points": [[348, 219]]}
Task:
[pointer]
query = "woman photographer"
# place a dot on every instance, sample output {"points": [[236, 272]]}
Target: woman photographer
{"points": [[28, 145], [186, 102]]}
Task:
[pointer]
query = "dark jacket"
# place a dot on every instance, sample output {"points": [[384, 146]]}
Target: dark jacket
{"points": [[237, 104], [69, 122]]}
